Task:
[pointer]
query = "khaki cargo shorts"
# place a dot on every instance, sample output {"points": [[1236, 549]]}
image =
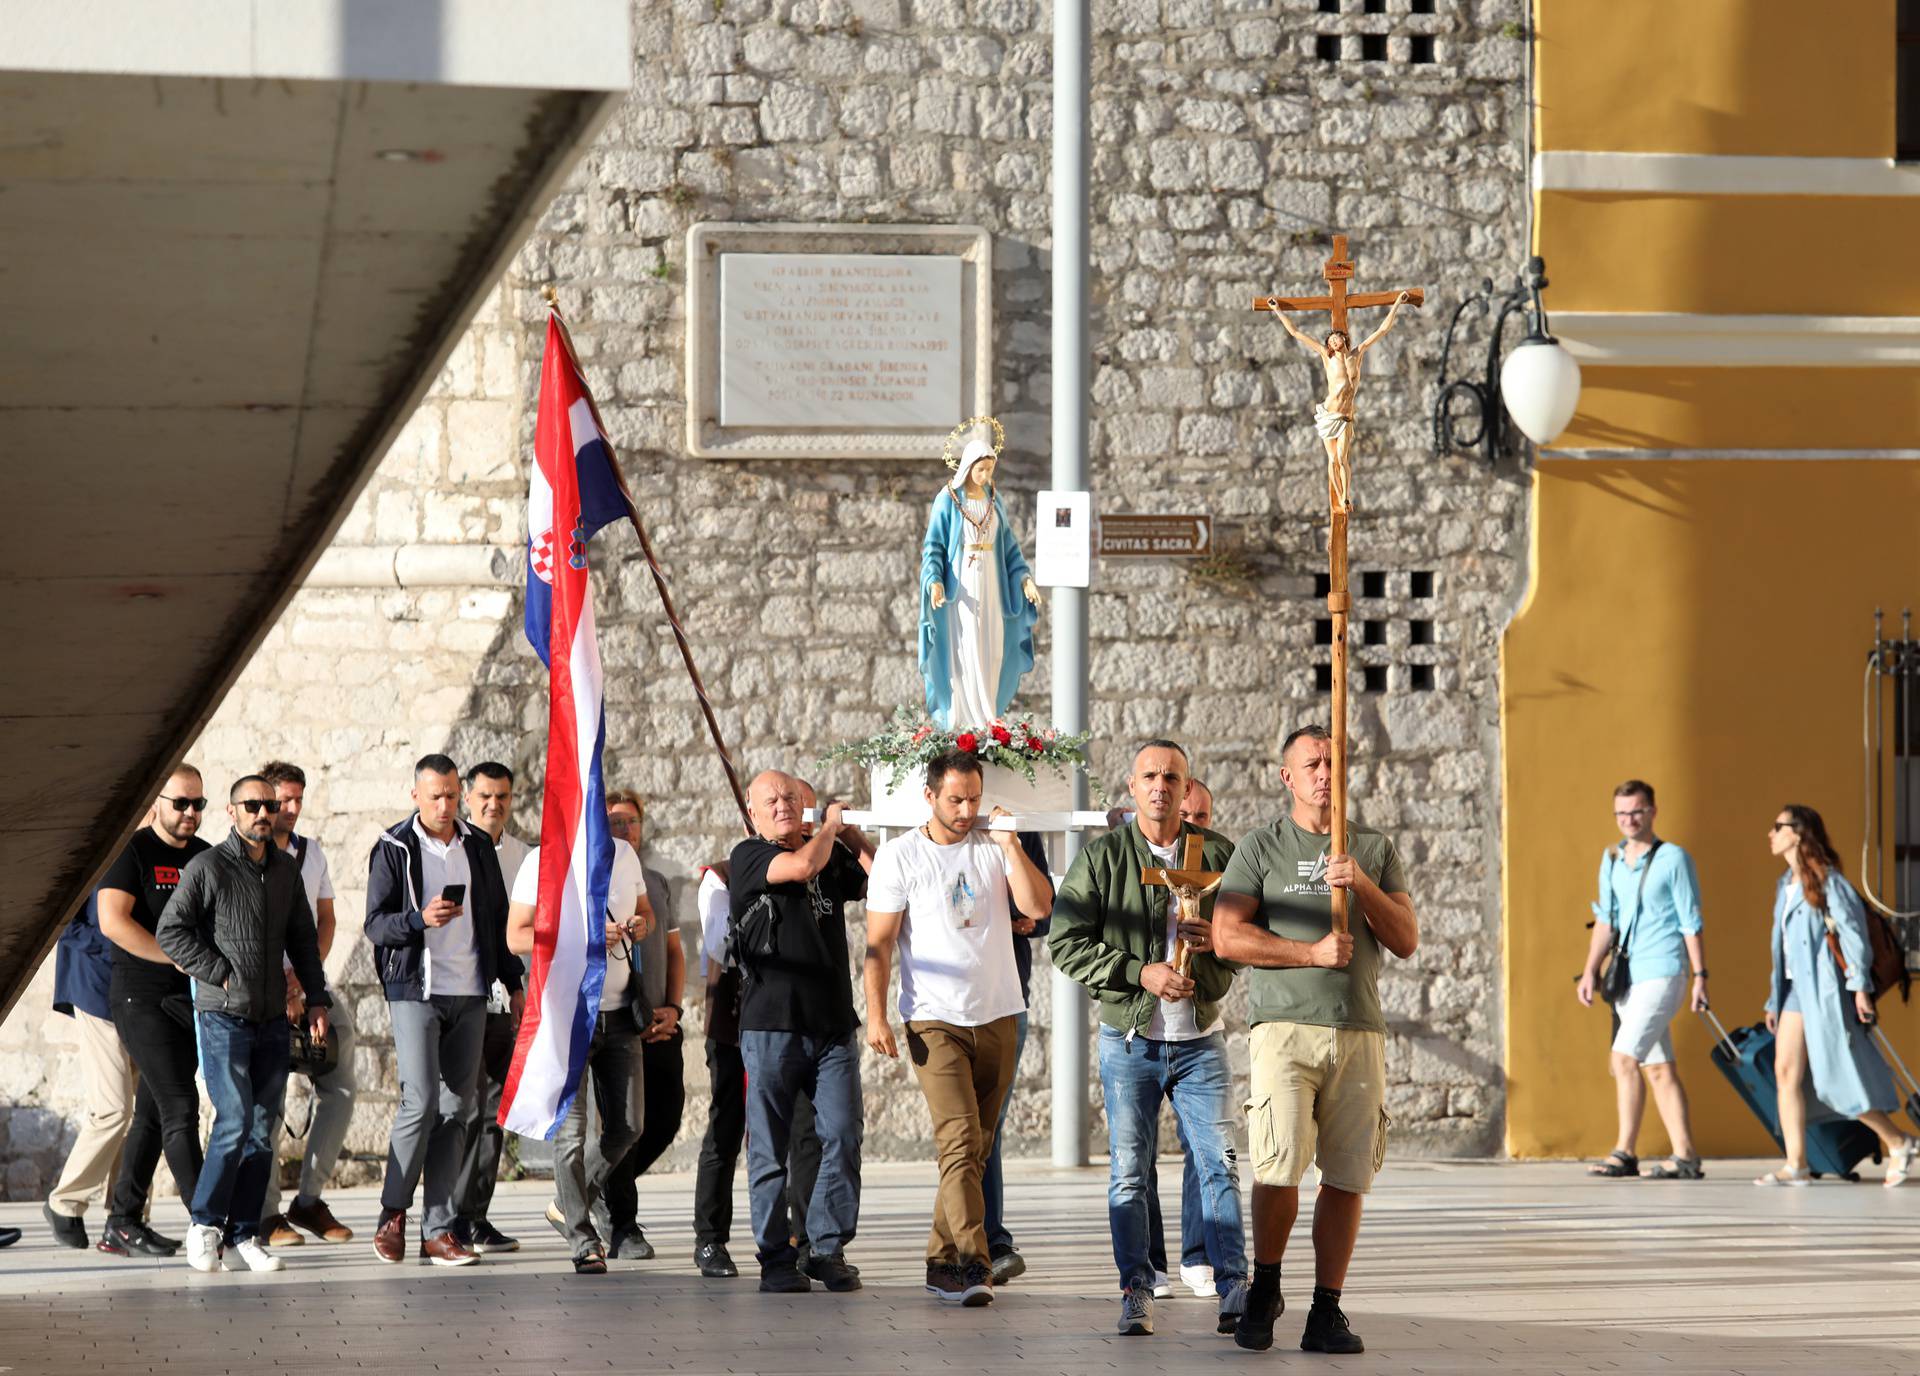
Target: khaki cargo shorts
{"points": [[1317, 1095]]}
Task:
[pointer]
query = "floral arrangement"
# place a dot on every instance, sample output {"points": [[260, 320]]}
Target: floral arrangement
{"points": [[911, 741]]}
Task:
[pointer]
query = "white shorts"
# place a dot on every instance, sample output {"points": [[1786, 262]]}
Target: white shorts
{"points": [[1645, 1017]]}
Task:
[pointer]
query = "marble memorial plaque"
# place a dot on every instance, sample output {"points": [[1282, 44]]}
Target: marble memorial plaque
{"points": [[836, 341], [842, 339]]}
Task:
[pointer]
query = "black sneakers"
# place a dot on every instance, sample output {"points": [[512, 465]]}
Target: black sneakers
{"points": [[482, 1237], [1327, 1331], [630, 1245], [833, 1272], [1254, 1328], [135, 1239]]}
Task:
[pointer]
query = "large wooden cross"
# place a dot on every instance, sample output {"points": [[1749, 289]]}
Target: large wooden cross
{"points": [[1190, 883], [1337, 302]]}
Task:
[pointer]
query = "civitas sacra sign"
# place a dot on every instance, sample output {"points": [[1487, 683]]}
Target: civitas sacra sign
{"points": [[835, 341]]}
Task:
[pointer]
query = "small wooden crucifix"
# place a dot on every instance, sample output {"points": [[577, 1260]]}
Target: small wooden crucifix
{"points": [[1334, 420], [1190, 883]]}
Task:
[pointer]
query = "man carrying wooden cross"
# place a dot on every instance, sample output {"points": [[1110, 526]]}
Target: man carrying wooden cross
{"points": [[1318, 1085], [1119, 935]]}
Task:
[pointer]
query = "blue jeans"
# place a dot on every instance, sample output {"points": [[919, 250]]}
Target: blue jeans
{"points": [[991, 1185], [779, 1066], [245, 1067], [1193, 1231], [1136, 1074]]}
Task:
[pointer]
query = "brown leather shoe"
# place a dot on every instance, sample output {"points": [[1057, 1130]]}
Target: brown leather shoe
{"points": [[277, 1232], [390, 1236], [444, 1249], [317, 1219]]}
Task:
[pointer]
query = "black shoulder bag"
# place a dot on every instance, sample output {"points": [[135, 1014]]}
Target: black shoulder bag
{"points": [[1615, 978]]}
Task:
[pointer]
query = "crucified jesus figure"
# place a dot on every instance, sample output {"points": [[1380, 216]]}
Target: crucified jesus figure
{"points": [[1333, 418]]}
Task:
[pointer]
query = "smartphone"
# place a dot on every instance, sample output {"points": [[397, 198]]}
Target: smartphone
{"points": [[455, 894]]}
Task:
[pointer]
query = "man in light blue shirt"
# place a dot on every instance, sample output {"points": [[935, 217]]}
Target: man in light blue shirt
{"points": [[1648, 894]]}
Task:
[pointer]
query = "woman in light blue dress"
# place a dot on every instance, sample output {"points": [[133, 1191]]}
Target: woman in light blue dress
{"points": [[1821, 1016]]}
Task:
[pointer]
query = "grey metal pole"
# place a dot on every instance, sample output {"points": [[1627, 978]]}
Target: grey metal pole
{"points": [[1072, 369]]}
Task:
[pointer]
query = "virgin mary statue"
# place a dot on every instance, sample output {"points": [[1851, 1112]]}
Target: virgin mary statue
{"points": [[978, 601]]}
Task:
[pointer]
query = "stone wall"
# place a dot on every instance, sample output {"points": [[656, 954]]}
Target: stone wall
{"points": [[1225, 153]]}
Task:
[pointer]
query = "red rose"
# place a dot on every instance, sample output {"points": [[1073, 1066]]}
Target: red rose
{"points": [[1035, 744], [1002, 735], [966, 740]]}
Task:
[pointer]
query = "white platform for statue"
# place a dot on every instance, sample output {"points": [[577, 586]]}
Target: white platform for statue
{"points": [[1044, 804]]}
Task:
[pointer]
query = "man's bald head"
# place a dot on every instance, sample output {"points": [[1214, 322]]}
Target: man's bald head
{"points": [[773, 801]]}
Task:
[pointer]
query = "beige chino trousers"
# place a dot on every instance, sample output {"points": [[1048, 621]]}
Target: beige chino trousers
{"points": [[966, 1074], [107, 1082]]}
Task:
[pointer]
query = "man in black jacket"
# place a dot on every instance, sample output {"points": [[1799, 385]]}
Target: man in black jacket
{"points": [[239, 913], [437, 918]]}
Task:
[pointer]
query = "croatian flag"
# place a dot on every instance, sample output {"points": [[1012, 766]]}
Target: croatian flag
{"points": [[575, 490]]}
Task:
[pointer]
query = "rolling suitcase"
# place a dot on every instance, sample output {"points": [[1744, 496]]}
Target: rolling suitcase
{"points": [[1835, 1145]]}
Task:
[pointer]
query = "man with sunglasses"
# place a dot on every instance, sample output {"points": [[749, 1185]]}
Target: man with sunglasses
{"points": [[238, 917], [152, 1005], [1651, 898]]}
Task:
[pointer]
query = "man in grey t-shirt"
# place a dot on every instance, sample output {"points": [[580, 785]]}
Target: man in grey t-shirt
{"points": [[1317, 1088]]}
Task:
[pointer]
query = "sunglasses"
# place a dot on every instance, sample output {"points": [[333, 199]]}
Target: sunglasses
{"points": [[622, 823], [254, 805], [1781, 826], [187, 804]]}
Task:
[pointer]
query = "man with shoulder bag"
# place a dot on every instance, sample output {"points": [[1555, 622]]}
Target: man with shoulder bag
{"points": [[1646, 917]]}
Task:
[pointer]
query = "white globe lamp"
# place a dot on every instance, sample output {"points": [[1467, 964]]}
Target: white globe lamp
{"points": [[1540, 383]]}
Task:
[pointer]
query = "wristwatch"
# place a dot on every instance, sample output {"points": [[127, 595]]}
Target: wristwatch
{"points": [[1699, 974]]}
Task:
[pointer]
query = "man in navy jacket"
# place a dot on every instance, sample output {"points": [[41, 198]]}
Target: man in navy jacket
{"points": [[437, 919]]}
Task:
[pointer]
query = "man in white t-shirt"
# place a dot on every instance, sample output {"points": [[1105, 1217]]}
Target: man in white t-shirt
{"points": [[941, 895], [335, 1091], [580, 1164]]}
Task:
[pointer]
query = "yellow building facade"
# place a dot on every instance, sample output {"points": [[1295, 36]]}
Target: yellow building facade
{"points": [[1733, 254]]}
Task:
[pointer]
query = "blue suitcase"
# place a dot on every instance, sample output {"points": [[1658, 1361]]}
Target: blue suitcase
{"points": [[1835, 1145]]}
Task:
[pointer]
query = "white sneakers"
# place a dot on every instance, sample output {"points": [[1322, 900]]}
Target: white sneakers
{"points": [[251, 1255], [1162, 1287], [1198, 1279], [206, 1252], [203, 1247]]}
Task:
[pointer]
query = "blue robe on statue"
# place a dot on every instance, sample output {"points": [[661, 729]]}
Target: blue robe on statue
{"points": [[941, 557]]}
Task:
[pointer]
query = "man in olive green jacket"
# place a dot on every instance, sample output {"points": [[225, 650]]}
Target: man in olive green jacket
{"points": [[1160, 1035]]}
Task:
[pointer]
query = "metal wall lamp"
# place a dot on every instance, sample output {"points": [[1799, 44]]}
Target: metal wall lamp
{"points": [[1539, 383]]}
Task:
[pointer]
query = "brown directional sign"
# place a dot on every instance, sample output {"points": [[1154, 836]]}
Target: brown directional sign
{"points": [[1156, 537]]}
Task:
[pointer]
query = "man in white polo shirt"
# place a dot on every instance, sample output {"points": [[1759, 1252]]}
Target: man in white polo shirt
{"points": [[333, 1092], [940, 894]]}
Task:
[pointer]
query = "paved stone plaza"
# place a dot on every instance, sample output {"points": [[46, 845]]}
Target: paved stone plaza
{"points": [[1463, 1267]]}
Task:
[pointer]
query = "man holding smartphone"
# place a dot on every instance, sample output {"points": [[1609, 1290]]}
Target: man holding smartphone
{"points": [[437, 918]]}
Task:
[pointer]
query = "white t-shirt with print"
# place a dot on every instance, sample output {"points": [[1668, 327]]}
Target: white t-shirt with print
{"points": [[956, 943], [1173, 1019], [628, 882]]}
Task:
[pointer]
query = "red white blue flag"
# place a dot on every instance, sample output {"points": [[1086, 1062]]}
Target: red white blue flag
{"points": [[574, 491]]}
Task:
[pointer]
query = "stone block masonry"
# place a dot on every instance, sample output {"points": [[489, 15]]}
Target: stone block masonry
{"points": [[1226, 152]]}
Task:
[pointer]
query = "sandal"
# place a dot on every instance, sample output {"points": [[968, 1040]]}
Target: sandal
{"points": [[1900, 1162], [1617, 1166], [1683, 1168], [1799, 1178], [590, 1264]]}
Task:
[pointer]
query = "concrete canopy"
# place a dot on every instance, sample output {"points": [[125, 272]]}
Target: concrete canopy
{"points": [[237, 242]]}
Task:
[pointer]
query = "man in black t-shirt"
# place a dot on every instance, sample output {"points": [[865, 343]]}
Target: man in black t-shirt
{"points": [[797, 1024], [152, 1003]]}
